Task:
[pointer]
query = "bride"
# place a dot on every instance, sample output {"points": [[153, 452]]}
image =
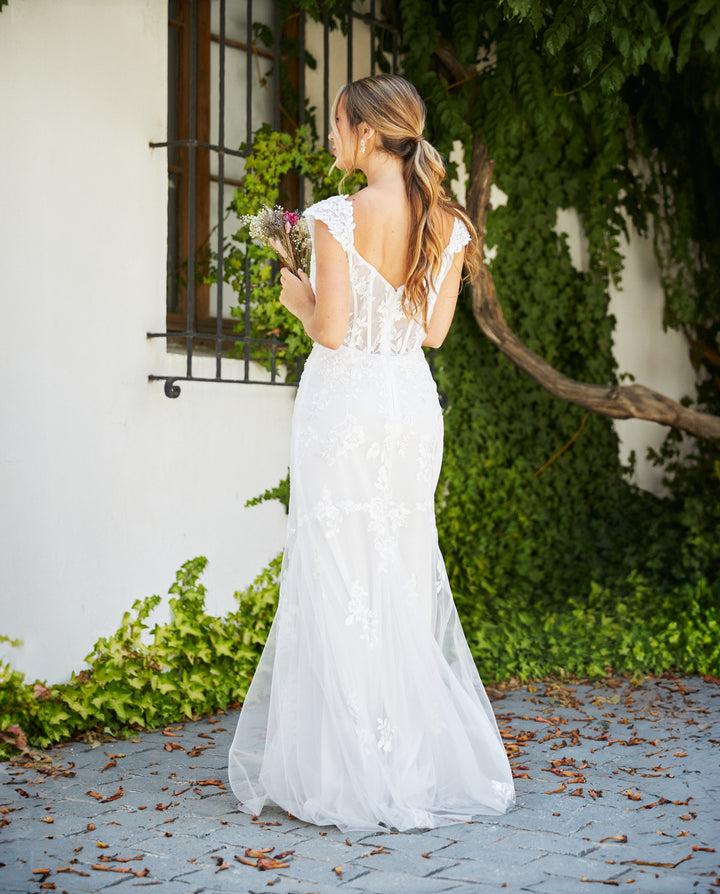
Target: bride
{"points": [[366, 710]]}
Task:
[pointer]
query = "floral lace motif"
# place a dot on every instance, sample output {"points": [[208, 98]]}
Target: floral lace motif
{"points": [[359, 613], [385, 734], [377, 323]]}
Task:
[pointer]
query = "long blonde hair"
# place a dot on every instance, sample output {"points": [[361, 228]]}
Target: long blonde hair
{"points": [[393, 108]]}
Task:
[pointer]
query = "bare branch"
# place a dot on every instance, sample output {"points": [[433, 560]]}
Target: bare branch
{"points": [[617, 401], [445, 52]]}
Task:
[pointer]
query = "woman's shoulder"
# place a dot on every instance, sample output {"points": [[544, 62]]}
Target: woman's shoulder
{"points": [[337, 215], [332, 206], [457, 234]]}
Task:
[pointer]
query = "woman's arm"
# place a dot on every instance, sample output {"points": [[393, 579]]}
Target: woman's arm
{"points": [[325, 312], [444, 309]]}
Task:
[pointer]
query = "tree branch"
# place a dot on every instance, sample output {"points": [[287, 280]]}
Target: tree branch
{"points": [[617, 401], [446, 54]]}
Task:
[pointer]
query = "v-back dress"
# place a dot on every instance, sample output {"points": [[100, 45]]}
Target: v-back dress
{"points": [[366, 710]]}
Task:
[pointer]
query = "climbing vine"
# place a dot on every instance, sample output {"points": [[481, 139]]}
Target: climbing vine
{"points": [[192, 664], [611, 109], [274, 155], [578, 104]]}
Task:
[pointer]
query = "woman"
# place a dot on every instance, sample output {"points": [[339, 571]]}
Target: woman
{"points": [[366, 710]]}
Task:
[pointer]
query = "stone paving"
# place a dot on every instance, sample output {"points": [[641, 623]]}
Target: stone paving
{"points": [[618, 785]]}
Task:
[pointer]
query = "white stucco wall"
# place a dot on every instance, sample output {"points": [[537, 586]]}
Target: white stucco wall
{"points": [[107, 486]]}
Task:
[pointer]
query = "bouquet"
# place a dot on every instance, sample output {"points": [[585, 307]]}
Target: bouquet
{"points": [[286, 232]]}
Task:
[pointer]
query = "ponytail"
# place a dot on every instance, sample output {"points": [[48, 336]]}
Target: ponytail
{"points": [[429, 206], [393, 108]]}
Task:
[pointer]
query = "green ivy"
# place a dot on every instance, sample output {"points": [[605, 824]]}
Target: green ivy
{"points": [[274, 155], [193, 664], [281, 493], [611, 109]]}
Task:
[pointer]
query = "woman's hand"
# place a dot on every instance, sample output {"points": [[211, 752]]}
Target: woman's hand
{"points": [[297, 294], [324, 314]]}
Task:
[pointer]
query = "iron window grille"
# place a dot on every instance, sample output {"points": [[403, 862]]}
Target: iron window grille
{"points": [[197, 164]]}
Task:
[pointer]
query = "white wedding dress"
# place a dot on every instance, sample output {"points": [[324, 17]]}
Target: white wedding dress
{"points": [[366, 710]]}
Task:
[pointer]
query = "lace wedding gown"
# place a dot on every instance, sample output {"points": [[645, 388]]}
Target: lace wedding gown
{"points": [[366, 709]]}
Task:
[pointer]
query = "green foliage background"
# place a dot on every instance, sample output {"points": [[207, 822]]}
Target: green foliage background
{"points": [[614, 110], [192, 664], [606, 107]]}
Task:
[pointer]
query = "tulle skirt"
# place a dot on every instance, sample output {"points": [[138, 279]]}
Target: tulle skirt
{"points": [[366, 710]]}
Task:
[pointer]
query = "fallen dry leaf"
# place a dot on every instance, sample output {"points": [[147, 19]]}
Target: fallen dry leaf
{"points": [[138, 873], [621, 838], [47, 819], [556, 791], [658, 865], [338, 871], [220, 863], [115, 859], [658, 803], [271, 863], [262, 852], [118, 794]]}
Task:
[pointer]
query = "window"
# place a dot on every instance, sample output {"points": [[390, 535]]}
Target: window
{"points": [[224, 62]]}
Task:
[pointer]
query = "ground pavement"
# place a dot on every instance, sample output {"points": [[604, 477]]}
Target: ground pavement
{"points": [[618, 785]]}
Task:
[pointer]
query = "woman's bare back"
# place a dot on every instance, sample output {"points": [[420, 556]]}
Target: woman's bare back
{"points": [[382, 230]]}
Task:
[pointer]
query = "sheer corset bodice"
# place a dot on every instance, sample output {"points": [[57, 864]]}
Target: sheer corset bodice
{"points": [[377, 323]]}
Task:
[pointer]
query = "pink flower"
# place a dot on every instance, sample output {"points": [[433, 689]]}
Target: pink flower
{"points": [[291, 217]]}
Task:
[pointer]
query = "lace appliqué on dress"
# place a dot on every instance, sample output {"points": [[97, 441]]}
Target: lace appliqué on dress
{"points": [[377, 323]]}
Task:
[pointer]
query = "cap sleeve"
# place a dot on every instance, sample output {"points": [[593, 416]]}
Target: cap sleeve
{"points": [[459, 238], [336, 213]]}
